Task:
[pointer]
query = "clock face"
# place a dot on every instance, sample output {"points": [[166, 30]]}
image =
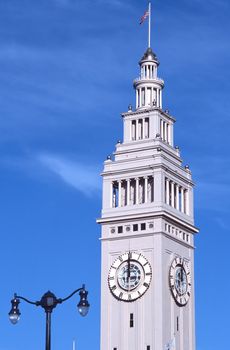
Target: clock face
{"points": [[180, 281], [129, 276]]}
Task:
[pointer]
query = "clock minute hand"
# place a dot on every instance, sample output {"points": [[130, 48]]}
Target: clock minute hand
{"points": [[129, 271]]}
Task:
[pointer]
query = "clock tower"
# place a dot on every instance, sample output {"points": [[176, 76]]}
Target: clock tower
{"points": [[147, 236]]}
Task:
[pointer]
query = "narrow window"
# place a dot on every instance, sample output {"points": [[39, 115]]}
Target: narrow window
{"points": [[170, 193], [146, 128], [131, 321], [115, 194], [140, 129], [186, 202], [180, 198], [132, 192], [164, 131], [134, 130], [124, 193], [177, 324], [166, 190], [142, 72], [150, 189], [148, 347], [120, 229], [143, 97], [167, 133], [141, 190], [148, 97], [143, 227], [135, 227], [114, 348]]}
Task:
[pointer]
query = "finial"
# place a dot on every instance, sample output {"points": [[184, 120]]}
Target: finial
{"points": [[119, 141], [167, 111], [130, 107], [177, 150], [108, 157], [187, 167]]}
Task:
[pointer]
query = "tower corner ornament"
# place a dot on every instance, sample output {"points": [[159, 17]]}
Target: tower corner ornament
{"points": [[147, 229]]}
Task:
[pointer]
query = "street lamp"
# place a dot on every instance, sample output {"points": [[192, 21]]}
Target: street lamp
{"points": [[48, 302]]}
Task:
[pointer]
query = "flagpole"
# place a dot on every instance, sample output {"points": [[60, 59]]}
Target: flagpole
{"points": [[149, 43], [74, 345]]}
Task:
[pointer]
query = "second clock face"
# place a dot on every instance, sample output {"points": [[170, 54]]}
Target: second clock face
{"points": [[180, 281], [129, 276]]}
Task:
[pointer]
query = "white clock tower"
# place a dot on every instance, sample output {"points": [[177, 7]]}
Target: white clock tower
{"points": [[147, 271]]}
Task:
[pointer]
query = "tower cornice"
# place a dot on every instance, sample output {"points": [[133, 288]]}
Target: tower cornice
{"points": [[148, 111], [159, 214], [125, 173]]}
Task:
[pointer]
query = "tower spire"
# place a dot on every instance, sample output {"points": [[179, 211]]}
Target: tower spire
{"points": [[149, 36]]}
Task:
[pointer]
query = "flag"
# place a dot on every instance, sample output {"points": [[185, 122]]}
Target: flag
{"points": [[171, 345], [145, 15]]}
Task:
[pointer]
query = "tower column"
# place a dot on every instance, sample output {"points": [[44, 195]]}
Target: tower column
{"points": [[186, 202], [146, 189], [157, 97], [160, 98], [162, 129], [172, 195], [143, 128], [128, 191], [111, 195], [167, 191], [119, 193], [137, 130], [177, 197], [169, 134], [137, 190], [165, 131], [140, 97], [182, 199]]}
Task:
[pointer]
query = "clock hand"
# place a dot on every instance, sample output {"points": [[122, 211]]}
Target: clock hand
{"points": [[129, 271]]}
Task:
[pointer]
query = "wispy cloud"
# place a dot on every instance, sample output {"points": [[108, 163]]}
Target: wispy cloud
{"points": [[82, 177], [117, 3]]}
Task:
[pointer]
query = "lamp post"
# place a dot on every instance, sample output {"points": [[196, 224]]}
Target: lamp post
{"points": [[48, 302]]}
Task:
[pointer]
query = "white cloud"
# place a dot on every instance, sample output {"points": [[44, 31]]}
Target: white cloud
{"points": [[83, 177]]}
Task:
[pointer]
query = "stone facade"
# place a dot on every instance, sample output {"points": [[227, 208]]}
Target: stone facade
{"points": [[147, 209]]}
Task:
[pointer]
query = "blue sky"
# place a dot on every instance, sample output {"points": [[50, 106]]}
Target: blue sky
{"points": [[66, 75]]}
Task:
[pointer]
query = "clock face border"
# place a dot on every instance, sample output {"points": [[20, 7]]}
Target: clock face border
{"points": [[122, 294], [180, 299]]}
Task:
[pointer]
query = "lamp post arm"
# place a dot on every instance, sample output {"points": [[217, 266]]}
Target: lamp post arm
{"points": [[37, 303], [70, 296]]}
